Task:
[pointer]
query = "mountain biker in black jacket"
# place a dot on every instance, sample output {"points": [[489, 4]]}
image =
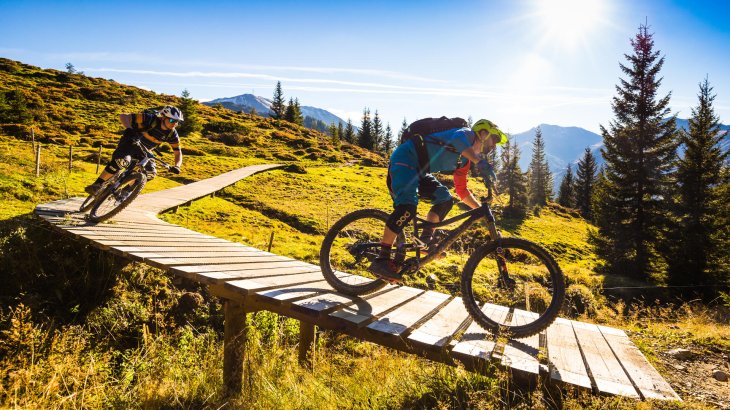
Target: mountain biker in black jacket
{"points": [[151, 128]]}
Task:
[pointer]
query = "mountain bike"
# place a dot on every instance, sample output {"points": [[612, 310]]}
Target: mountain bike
{"points": [[508, 284], [123, 187]]}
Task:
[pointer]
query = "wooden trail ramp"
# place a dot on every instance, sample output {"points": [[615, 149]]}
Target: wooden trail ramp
{"points": [[426, 323]]}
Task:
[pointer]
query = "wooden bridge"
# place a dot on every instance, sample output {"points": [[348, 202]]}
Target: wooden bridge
{"points": [[422, 322]]}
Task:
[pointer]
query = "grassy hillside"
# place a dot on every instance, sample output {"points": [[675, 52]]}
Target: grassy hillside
{"points": [[82, 329]]}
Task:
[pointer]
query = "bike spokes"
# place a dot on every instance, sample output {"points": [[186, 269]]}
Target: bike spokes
{"points": [[518, 280]]}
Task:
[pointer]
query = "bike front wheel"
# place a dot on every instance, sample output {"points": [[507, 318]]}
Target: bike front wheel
{"points": [[349, 248], [513, 286], [112, 201], [88, 203]]}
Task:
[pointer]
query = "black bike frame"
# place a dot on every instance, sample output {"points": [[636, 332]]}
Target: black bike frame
{"points": [[484, 211]]}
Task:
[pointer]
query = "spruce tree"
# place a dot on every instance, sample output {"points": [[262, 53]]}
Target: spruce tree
{"points": [[566, 194], [541, 180], [278, 106], [298, 118], [349, 135], [340, 130], [512, 180], [403, 128], [189, 108], [387, 147], [639, 149], [334, 136], [699, 176], [585, 179], [365, 137], [378, 133]]}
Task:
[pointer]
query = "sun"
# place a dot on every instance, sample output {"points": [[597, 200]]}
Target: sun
{"points": [[568, 23]]}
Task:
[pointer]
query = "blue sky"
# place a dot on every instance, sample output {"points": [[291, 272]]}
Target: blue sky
{"points": [[519, 63]]}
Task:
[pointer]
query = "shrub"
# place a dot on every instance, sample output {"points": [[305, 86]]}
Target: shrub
{"points": [[235, 139], [580, 300], [218, 127], [192, 151]]}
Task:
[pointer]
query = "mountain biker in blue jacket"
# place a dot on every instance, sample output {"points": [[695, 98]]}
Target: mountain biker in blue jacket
{"points": [[407, 182], [151, 128]]}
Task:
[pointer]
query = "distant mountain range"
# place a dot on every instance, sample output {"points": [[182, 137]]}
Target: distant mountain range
{"points": [[313, 117], [563, 145], [566, 145]]}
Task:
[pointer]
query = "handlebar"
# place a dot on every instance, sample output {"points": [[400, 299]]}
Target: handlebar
{"points": [[152, 154]]}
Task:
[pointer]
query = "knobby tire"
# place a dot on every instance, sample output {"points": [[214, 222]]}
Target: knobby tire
{"points": [[139, 180], [556, 276]]}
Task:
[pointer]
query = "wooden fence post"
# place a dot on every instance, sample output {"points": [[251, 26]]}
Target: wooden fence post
{"points": [[38, 160], [234, 346], [70, 157], [271, 241], [98, 160], [32, 138]]}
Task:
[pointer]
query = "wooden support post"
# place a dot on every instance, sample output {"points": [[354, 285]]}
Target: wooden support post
{"points": [[70, 157], [38, 160], [98, 160], [234, 346], [307, 336]]}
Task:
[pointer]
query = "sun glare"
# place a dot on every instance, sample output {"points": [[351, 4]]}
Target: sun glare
{"points": [[567, 23]]}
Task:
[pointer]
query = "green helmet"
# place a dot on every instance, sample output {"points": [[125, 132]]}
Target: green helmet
{"points": [[491, 128]]}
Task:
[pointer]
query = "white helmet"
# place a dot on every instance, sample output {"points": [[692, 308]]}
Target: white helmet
{"points": [[170, 111]]}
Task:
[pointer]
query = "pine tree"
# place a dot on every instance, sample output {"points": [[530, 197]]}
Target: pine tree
{"points": [[349, 135], [289, 111], [639, 148], [541, 180], [334, 136], [512, 180], [298, 118], [365, 137], [387, 147], [566, 194], [378, 133], [403, 128], [585, 179], [189, 108], [340, 130], [277, 104], [699, 176]]}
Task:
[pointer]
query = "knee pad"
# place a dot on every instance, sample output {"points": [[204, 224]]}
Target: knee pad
{"points": [[442, 209], [400, 217]]}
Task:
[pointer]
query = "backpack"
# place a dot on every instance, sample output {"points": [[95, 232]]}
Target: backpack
{"points": [[427, 126]]}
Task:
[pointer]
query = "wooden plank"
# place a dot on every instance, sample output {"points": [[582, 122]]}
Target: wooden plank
{"points": [[322, 304], [182, 249], [362, 311], [438, 331], [192, 255], [249, 286], [566, 362], [240, 266], [215, 277], [404, 318], [289, 293], [650, 383], [119, 243], [476, 343], [605, 370], [224, 260], [521, 354]]}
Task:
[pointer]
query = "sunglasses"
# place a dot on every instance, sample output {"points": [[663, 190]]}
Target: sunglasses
{"points": [[172, 121]]}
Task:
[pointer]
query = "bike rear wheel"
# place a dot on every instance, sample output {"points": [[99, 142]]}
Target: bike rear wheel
{"points": [[513, 286], [112, 201], [349, 248]]}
